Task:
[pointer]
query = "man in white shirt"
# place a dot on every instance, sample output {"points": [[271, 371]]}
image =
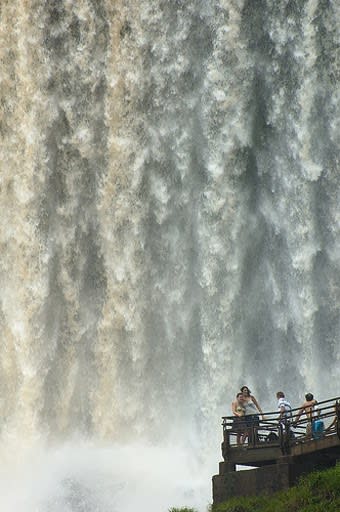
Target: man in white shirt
{"points": [[285, 409]]}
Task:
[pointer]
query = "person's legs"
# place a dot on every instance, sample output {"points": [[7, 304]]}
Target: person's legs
{"points": [[309, 430]]}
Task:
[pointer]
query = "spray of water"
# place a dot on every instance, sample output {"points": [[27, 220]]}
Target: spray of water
{"points": [[169, 194], [86, 477]]}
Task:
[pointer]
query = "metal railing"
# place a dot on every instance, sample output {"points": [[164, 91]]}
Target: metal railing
{"points": [[270, 431]]}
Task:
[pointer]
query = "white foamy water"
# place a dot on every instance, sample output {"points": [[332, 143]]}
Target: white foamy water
{"points": [[170, 231], [84, 476]]}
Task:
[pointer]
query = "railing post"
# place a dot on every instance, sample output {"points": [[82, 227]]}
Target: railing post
{"points": [[287, 444], [226, 436], [254, 435], [337, 413], [281, 436], [226, 441]]}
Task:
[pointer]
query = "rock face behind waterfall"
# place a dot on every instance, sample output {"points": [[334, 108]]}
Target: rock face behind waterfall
{"points": [[169, 193]]}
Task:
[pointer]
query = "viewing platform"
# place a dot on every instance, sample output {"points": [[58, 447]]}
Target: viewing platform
{"points": [[278, 452]]}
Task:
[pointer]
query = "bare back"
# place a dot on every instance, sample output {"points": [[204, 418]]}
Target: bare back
{"points": [[309, 408]]}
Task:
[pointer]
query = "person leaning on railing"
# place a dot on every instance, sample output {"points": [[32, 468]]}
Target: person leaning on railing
{"points": [[239, 424], [252, 410], [310, 408], [284, 408], [250, 398]]}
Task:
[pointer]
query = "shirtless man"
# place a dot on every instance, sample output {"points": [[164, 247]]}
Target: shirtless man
{"points": [[310, 408]]}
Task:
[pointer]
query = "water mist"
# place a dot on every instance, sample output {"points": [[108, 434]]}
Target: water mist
{"points": [[169, 193]]}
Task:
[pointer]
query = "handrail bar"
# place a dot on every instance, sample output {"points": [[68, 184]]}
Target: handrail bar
{"points": [[257, 432], [297, 409]]}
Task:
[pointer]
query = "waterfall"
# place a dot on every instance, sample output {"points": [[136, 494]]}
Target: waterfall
{"points": [[169, 194]]}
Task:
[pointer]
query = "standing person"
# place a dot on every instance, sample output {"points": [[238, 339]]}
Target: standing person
{"points": [[285, 409], [239, 425], [285, 416], [250, 398], [310, 408], [252, 410]]}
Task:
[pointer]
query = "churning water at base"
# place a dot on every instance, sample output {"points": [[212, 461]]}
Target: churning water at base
{"points": [[170, 230], [86, 477]]}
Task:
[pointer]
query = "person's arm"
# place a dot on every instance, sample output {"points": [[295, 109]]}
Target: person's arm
{"points": [[233, 408], [257, 405], [299, 414], [282, 411]]}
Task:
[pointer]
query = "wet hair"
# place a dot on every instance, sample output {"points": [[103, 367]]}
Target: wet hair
{"points": [[280, 394], [239, 394], [245, 387], [309, 397]]}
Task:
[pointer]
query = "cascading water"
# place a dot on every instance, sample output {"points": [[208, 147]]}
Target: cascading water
{"points": [[170, 230]]}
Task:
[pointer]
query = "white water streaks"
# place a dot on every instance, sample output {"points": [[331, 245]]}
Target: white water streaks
{"points": [[169, 201]]}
